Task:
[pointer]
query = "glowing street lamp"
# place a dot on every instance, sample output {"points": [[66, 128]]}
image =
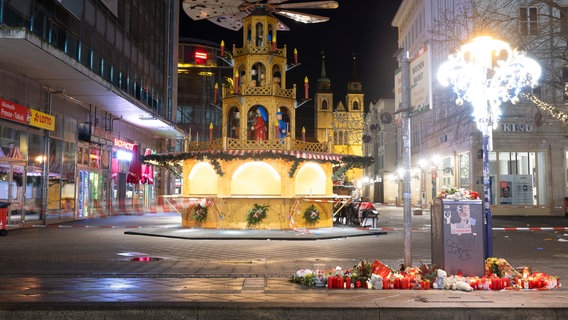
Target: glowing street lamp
{"points": [[487, 72]]}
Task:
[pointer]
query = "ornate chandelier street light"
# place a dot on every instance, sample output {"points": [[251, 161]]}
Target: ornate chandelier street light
{"points": [[487, 72]]}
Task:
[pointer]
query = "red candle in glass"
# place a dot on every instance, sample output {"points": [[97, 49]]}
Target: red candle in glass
{"points": [[404, 283], [341, 283], [348, 282], [357, 284]]}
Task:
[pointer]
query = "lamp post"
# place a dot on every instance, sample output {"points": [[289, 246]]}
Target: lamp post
{"points": [[45, 185], [487, 72]]}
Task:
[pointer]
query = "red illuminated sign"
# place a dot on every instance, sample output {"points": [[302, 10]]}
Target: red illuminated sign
{"points": [[200, 56], [14, 112], [123, 144]]}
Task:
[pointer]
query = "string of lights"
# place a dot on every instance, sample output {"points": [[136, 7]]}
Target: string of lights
{"points": [[557, 114]]}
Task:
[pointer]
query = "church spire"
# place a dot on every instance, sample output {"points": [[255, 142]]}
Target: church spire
{"points": [[354, 76], [324, 84], [354, 85]]}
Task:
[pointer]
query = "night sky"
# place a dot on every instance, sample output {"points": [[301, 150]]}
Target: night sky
{"points": [[363, 27]]}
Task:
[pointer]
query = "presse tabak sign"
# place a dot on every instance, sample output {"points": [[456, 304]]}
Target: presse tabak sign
{"points": [[18, 113]]}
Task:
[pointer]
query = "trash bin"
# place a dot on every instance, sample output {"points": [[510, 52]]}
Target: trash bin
{"points": [[3, 216], [458, 236]]}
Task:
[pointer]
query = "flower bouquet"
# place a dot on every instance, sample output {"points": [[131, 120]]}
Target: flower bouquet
{"points": [[453, 193], [500, 267]]}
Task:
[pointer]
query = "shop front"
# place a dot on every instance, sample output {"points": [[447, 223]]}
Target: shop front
{"points": [[94, 180], [521, 182], [132, 182], [23, 183]]}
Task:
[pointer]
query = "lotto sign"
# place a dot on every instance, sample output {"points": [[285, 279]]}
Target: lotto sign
{"points": [[42, 120]]}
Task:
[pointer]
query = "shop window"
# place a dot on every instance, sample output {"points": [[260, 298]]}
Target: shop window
{"points": [[35, 149], [68, 163], [519, 178], [83, 155], [69, 128], [95, 158]]}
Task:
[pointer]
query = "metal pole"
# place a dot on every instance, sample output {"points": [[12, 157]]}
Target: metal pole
{"points": [[45, 198], [406, 190], [487, 224]]}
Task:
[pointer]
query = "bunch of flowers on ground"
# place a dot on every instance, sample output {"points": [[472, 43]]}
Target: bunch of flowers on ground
{"points": [[499, 275], [500, 267], [256, 214], [311, 215]]}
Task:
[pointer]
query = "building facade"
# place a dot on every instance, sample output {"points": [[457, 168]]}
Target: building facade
{"points": [[528, 162], [85, 86], [380, 137], [200, 79]]}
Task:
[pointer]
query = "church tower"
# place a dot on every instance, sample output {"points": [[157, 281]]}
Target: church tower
{"points": [[349, 118], [348, 122], [323, 106], [355, 97]]}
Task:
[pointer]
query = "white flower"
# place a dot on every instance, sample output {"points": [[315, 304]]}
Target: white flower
{"points": [[303, 272]]}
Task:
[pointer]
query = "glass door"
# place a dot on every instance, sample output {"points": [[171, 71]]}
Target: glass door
{"points": [[13, 191], [83, 195]]}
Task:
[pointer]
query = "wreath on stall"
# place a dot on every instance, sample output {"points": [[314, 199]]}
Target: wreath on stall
{"points": [[200, 213], [256, 214], [311, 215]]}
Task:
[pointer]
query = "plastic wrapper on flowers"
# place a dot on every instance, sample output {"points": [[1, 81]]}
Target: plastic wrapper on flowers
{"points": [[499, 275], [453, 193]]}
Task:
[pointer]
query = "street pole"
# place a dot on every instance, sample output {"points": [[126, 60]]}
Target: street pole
{"points": [[487, 219], [406, 190], [487, 72], [45, 189]]}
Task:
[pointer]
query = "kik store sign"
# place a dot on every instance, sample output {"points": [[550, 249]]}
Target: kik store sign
{"points": [[24, 115]]}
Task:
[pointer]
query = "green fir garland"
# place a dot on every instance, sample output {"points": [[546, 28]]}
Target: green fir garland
{"points": [[293, 168], [171, 161]]}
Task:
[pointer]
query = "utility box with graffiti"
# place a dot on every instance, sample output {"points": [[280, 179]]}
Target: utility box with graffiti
{"points": [[458, 240]]}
